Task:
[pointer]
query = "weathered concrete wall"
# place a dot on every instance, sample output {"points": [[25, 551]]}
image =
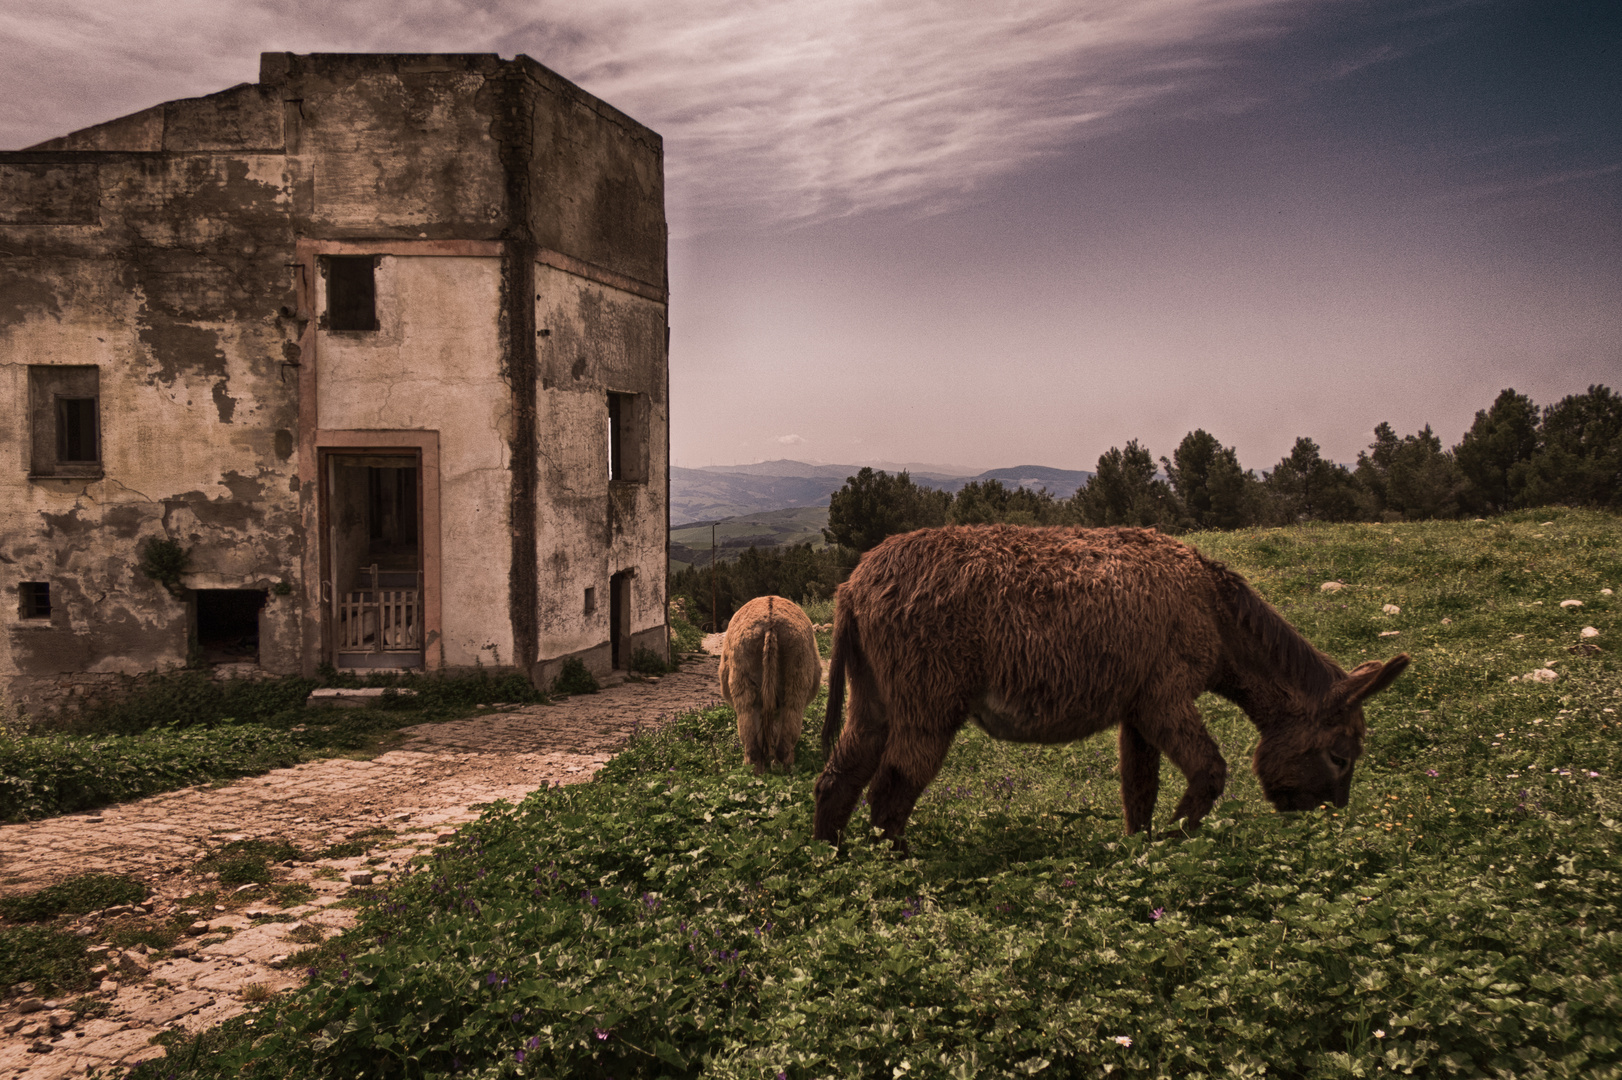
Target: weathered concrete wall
{"points": [[167, 273], [598, 339], [434, 364]]}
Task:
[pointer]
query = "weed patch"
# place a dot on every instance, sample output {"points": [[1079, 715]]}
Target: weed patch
{"points": [[78, 895], [575, 678], [53, 961]]}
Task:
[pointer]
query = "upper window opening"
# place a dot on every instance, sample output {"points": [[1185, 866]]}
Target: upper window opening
{"points": [[64, 420], [616, 437], [76, 429], [34, 599], [351, 292]]}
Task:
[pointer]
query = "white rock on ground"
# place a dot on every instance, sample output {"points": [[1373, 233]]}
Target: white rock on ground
{"points": [[1571, 603], [1392, 609], [1590, 631]]}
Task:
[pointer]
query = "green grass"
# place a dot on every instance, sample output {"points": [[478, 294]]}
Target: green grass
{"points": [[78, 895], [1459, 918], [187, 729], [46, 957]]}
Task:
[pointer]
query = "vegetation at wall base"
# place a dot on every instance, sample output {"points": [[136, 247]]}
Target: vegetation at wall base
{"points": [[1461, 917], [186, 727], [575, 678]]}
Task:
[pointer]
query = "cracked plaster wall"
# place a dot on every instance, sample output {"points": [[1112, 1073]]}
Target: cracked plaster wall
{"points": [[167, 271]]}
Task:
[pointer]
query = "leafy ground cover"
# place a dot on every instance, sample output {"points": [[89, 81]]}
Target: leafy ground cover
{"points": [[1459, 918], [189, 728]]}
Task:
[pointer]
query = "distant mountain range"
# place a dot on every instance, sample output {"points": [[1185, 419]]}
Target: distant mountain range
{"points": [[717, 492]]}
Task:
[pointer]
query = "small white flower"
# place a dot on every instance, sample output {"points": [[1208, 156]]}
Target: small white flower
{"points": [[1379, 1033], [1124, 1040]]}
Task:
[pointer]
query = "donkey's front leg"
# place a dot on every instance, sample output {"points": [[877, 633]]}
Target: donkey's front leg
{"points": [[1140, 778], [1181, 736]]}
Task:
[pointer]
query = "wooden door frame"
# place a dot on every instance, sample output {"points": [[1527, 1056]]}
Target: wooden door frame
{"points": [[425, 445]]}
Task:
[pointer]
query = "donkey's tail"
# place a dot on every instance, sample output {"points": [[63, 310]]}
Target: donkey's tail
{"points": [[768, 665], [847, 650]]}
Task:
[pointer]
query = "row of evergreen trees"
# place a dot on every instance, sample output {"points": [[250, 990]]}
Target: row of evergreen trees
{"points": [[1514, 455]]}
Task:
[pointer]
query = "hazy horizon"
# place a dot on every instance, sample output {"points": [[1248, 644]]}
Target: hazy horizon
{"points": [[918, 232]]}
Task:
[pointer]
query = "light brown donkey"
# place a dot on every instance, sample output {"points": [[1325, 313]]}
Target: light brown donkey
{"points": [[770, 671], [1049, 635]]}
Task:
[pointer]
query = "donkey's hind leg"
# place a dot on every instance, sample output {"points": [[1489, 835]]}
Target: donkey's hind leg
{"points": [[913, 758], [854, 760]]}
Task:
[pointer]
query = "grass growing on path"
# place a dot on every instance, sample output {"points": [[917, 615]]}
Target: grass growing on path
{"points": [[1459, 918]]}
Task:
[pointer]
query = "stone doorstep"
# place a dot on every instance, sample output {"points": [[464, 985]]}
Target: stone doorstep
{"points": [[352, 697]]}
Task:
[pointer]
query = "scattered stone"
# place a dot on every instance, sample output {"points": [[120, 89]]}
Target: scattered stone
{"points": [[1589, 631], [133, 963], [1389, 633], [118, 909], [1391, 609], [12, 1026], [1571, 603], [360, 877], [241, 889], [198, 927], [59, 1019], [277, 961], [38, 1046], [1447, 622], [108, 986], [1584, 649], [1328, 586], [1541, 675], [219, 907], [1605, 592], [184, 949], [30, 1005]]}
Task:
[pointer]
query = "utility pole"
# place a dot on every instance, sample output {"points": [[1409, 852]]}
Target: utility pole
{"points": [[715, 614]]}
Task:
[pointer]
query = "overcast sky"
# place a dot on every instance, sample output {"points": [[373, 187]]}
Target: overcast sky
{"points": [[1023, 232]]}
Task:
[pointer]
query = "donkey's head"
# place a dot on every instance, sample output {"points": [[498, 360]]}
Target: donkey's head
{"points": [[1307, 760]]}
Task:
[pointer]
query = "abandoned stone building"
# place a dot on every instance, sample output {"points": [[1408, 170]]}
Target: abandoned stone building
{"points": [[373, 351]]}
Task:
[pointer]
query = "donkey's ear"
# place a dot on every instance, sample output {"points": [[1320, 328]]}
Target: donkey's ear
{"points": [[1368, 679]]}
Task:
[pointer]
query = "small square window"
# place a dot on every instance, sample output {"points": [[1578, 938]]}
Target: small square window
{"points": [[64, 416], [351, 292], [34, 599]]}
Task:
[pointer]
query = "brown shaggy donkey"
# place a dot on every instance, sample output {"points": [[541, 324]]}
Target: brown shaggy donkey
{"points": [[770, 671], [1049, 635]]}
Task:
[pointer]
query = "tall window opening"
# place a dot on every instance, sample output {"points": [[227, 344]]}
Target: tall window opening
{"points": [[626, 456], [351, 292]]}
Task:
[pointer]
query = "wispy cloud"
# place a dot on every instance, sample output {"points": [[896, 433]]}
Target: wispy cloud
{"points": [[773, 112], [790, 440]]}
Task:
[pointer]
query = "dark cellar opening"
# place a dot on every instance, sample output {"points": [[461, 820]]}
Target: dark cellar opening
{"points": [[228, 625]]}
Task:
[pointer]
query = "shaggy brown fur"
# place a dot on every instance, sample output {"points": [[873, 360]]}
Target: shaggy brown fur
{"points": [[770, 671], [1050, 635]]}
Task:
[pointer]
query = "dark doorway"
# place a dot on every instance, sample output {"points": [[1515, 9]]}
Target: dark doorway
{"points": [[373, 579], [619, 619], [228, 625]]}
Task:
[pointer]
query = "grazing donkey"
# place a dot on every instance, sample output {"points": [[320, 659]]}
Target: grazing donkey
{"points": [[770, 671], [1049, 635]]}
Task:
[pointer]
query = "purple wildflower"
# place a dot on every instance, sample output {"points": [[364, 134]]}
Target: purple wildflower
{"points": [[518, 1055], [602, 1035], [534, 1042], [1156, 914], [1432, 772]]}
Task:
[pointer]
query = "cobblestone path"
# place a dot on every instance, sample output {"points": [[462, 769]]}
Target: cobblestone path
{"points": [[420, 790]]}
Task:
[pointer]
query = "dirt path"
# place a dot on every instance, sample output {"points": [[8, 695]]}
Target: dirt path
{"points": [[419, 791]]}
